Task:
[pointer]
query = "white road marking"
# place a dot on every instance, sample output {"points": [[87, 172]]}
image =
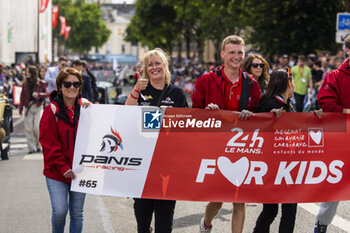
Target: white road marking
{"points": [[34, 156], [338, 221]]}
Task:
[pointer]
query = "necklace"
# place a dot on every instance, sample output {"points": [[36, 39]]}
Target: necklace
{"points": [[70, 109]]}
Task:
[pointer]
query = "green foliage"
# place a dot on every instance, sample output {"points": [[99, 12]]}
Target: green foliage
{"points": [[88, 29], [301, 26], [279, 26], [154, 25]]}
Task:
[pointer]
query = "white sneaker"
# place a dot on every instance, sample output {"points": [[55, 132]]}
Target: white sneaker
{"points": [[251, 204], [202, 228]]}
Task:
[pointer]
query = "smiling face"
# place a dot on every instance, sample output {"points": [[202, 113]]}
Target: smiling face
{"points": [[257, 67], [233, 55], [70, 93], [156, 68], [42, 73]]}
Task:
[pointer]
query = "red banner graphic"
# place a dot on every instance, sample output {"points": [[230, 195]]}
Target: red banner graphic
{"points": [[43, 5], [54, 16], [206, 155], [66, 34], [63, 25]]}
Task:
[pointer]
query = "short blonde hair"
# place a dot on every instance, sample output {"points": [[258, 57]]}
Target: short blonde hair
{"points": [[163, 56], [232, 39]]}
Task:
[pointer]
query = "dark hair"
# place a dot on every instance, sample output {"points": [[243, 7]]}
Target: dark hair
{"points": [[63, 74], [63, 58], [40, 68], [265, 76], [77, 62], [30, 83], [278, 84], [83, 63], [301, 58]]}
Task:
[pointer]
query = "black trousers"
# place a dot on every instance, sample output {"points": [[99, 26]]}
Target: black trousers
{"points": [[163, 213], [269, 213], [299, 102]]}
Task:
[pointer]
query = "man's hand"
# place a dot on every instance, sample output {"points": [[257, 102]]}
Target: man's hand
{"points": [[212, 106]]}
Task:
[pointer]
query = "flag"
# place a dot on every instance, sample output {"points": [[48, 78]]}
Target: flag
{"points": [[115, 65], [63, 25], [54, 16], [66, 34], [43, 5]]}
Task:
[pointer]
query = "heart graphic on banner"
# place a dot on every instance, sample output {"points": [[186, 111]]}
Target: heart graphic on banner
{"points": [[234, 172], [316, 136]]}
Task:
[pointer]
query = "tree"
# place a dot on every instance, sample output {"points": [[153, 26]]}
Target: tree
{"points": [[88, 29], [301, 26], [154, 25], [220, 19]]}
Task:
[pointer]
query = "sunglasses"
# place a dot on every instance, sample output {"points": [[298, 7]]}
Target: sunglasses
{"points": [[64, 65], [256, 65], [69, 84]]}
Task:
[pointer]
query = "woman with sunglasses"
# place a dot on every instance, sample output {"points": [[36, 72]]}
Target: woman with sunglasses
{"points": [[154, 89], [58, 127], [32, 98], [259, 68], [277, 99]]}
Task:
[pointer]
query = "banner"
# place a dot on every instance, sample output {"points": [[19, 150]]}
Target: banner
{"points": [[16, 91], [211, 155], [43, 5], [54, 16], [66, 34], [63, 25]]}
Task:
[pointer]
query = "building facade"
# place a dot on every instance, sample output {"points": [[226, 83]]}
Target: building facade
{"points": [[19, 36]]}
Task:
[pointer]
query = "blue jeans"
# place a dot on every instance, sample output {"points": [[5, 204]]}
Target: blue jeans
{"points": [[62, 199]]}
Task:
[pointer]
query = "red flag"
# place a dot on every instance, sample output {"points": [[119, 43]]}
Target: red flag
{"points": [[63, 25], [43, 5], [54, 16], [66, 34]]}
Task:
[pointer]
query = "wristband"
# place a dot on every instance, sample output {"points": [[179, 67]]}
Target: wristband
{"points": [[132, 96], [137, 91]]}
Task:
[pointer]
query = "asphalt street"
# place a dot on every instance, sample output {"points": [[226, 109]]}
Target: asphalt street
{"points": [[25, 205]]}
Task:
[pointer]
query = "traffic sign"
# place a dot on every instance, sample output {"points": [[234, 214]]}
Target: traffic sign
{"points": [[340, 36], [343, 21]]}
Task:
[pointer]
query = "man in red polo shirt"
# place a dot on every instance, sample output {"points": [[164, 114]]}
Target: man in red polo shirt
{"points": [[230, 88]]}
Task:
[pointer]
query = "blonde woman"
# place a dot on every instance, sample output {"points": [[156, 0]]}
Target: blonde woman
{"points": [[153, 88]]}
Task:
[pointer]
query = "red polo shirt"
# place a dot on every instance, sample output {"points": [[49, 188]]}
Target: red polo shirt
{"points": [[232, 92]]}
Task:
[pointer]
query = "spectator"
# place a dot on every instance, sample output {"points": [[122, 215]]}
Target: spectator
{"points": [[87, 89], [52, 72], [32, 98], [303, 80]]}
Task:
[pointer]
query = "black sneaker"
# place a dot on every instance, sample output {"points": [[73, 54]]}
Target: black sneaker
{"points": [[319, 228]]}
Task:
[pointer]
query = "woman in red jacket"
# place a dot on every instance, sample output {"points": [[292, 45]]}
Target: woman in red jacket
{"points": [[58, 127]]}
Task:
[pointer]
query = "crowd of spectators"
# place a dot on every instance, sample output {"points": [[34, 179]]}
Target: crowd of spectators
{"points": [[186, 71]]}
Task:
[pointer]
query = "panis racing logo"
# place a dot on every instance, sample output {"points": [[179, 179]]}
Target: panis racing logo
{"points": [[111, 142], [111, 161]]}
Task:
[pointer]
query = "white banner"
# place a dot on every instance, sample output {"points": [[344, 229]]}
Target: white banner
{"points": [[112, 153]]}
